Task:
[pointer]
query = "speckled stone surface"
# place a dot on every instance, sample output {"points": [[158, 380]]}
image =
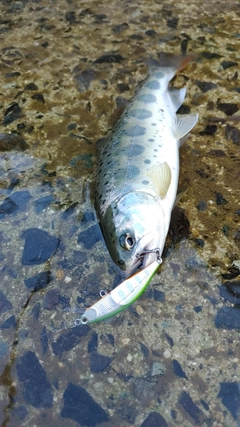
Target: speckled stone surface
{"points": [[67, 70]]}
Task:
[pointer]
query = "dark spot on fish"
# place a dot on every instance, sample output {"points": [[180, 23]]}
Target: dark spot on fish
{"points": [[137, 149], [154, 124], [148, 98], [132, 171], [120, 262], [155, 149], [145, 182], [153, 84], [147, 161], [151, 140], [141, 113], [136, 131]]}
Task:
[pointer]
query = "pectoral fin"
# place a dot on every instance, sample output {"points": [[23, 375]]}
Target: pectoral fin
{"points": [[183, 125], [161, 176]]}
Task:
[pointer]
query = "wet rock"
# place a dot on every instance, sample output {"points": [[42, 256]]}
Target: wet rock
{"points": [[210, 55], [38, 97], [154, 419], [35, 385], [217, 153], [197, 309], [179, 225], [69, 340], [193, 264], [79, 257], [230, 395], [44, 340], [228, 294], [177, 369], [79, 406], [228, 318], [190, 407], [39, 246], [109, 58], [158, 369], [220, 199], [12, 141], [150, 33], [3, 348], [89, 237], [85, 78], [93, 343], [51, 299], [158, 295], [9, 323], [202, 205], [228, 64], [99, 362], [172, 22], [15, 203], [5, 304], [228, 108], [70, 17], [40, 281], [117, 29], [31, 86], [13, 112], [144, 390], [127, 413], [43, 203], [233, 133], [144, 349], [209, 130], [169, 339], [21, 412], [205, 86]]}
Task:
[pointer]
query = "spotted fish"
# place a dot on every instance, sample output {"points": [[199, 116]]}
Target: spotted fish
{"points": [[138, 170]]}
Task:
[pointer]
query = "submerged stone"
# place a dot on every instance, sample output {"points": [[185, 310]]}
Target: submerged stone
{"points": [[16, 202], [79, 406], [230, 395], [90, 236], [35, 385], [39, 246], [69, 340], [154, 419], [5, 305], [228, 318], [99, 362], [190, 407], [177, 369], [40, 281]]}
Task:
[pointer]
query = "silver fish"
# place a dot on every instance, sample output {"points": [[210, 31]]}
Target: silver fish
{"points": [[138, 171]]}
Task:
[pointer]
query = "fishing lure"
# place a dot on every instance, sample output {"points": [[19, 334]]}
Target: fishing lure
{"points": [[122, 296]]}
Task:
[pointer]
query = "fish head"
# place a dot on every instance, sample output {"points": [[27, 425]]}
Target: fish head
{"points": [[132, 225]]}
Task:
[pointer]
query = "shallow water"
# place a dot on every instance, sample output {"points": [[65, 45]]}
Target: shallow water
{"points": [[67, 71]]}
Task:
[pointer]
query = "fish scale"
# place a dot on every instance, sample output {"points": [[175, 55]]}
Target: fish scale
{"points": [[138, 170]]}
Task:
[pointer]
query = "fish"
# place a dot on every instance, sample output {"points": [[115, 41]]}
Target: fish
{"points": [[138, 170], [120, 297]]}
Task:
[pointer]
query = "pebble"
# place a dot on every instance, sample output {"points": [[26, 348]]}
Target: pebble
{"points": [[228, 318], [40, 281], [35, 385], [158, 368], [177, 369], [230, 395], [12, 141], [69, 339], [15, 203], [89, 237], [191, 408], [5, 304], [99, 362], [154, 419], [79, 406], [39, 246]]}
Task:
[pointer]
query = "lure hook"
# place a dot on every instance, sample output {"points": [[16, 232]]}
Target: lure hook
{"points": [[150, 251]]}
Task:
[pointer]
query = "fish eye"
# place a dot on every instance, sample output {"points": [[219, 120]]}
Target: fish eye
{"points": [[127, 241]]}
